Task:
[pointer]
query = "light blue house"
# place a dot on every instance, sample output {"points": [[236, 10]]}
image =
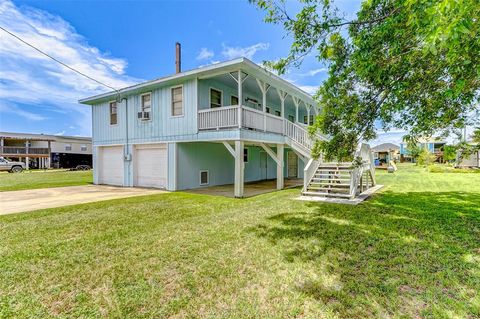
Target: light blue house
{"points": [[433, 145], [227, 123]]}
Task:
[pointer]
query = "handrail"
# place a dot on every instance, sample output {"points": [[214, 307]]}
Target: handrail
{"points": [[309, 172], [364, 156], [218, 109]]}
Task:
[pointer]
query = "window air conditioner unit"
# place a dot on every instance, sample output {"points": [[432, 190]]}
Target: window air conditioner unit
{"points": [[144, 115]]}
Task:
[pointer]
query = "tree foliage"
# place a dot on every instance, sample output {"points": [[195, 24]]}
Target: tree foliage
{"points": [[426, 158], [410, 64], [449, 153]]}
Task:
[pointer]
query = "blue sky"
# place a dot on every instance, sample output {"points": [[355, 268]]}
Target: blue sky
{"points": [[124, 42]]}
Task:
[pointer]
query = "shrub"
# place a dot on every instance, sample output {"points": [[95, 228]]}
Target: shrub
{"points": [[426, 158]]}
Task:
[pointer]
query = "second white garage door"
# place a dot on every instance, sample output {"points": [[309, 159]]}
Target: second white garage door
{"points": [[151, 165]]}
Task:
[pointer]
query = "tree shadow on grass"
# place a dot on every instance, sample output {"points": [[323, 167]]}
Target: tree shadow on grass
{"points": [[411, 254]]}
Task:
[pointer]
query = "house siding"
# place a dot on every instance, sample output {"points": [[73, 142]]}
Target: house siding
{"points": [[162, 126]]}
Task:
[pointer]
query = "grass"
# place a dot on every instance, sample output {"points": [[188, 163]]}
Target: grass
{"points": [[438, 168], [43, 179], [411, 251]]}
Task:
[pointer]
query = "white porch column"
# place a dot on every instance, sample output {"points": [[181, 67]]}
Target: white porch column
{"points": [[264, 89], [308, 113], [296, 102], [27, 163], [239, 78], [278, 158], [240, 97], [239, 169], [280, 152], [282, 95]]}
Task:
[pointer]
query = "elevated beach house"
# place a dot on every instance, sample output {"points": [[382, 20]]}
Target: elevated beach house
{"points": [[227, 123]]}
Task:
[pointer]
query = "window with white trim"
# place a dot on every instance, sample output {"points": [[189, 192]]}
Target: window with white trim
{"points": [[113, 113], [204, 177], [83, 148], [245, 155], [309, 122], [215, 98], [146, 102], [68, 147], [177, 101], [234, 100]]}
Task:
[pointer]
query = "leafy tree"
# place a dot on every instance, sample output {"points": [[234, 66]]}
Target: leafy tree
{"points": [[449, 153], [476, 135], [410, 64]]}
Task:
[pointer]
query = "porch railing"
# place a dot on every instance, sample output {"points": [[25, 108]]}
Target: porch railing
{"points": [[13, 150], [217, 118], [227, 117]]}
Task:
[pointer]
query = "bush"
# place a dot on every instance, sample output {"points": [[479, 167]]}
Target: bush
{"points": [[426, 158]]}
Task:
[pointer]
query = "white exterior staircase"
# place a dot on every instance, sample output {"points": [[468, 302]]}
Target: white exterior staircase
{"points": [[343, 180]]}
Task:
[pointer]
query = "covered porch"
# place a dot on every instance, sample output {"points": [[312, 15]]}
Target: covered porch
{"points": [[241, 168], [252, 101]]}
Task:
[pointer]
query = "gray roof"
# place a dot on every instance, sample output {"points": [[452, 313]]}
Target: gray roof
{"points": [[386, 147], [220, 68], [42, 137]]}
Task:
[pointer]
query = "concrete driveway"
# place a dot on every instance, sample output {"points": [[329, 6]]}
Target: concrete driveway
{"points": [[27, 200]]}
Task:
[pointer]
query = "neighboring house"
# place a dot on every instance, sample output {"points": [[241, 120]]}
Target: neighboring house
{"points": [[433, 145], [187, 130], [386, 152], [46, 151]]}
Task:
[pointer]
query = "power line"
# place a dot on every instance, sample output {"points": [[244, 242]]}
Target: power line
{"points": [[58, 61]]}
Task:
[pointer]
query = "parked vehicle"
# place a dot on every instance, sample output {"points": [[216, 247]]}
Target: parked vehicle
{"points": [[81, 168], [12, 167]]}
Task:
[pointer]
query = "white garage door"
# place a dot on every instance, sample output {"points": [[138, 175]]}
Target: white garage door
{"points": [[110, 165], [151, 165]]}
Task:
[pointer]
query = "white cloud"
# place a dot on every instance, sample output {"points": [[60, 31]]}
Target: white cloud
{"points": [[310, 89], [314, 72], [6, 107], [60, 133], [205, 54], [28, 77], [247, 52]]}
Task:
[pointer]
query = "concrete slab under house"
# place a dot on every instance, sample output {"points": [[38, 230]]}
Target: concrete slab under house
{"points": [[230, 123]]}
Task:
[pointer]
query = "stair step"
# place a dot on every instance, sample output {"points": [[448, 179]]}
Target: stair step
{"points": [[329, 185], [330, 179], [329, 190], [326, 194]]}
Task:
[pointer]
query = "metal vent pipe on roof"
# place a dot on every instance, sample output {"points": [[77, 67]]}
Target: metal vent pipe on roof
{"points": [[178, 57]]}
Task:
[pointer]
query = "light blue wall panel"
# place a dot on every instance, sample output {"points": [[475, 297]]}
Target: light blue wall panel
{"points": [[162, 124], [172, 159], [193, 157]]}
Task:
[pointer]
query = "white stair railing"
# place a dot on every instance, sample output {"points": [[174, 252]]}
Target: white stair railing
{"points": [[364, 162]]}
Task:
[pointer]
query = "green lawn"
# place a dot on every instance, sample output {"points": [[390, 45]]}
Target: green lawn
{"points": [[43, 179], [411, 251]]}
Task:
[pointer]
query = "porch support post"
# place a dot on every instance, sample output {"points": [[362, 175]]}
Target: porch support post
{"points": [[282, 96], [296, 101], [237, 154], [278, 158], [280, 181], [240, 98], [239, 79], [264, 89], [239, 169], [308, 113], [27, 159]]}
